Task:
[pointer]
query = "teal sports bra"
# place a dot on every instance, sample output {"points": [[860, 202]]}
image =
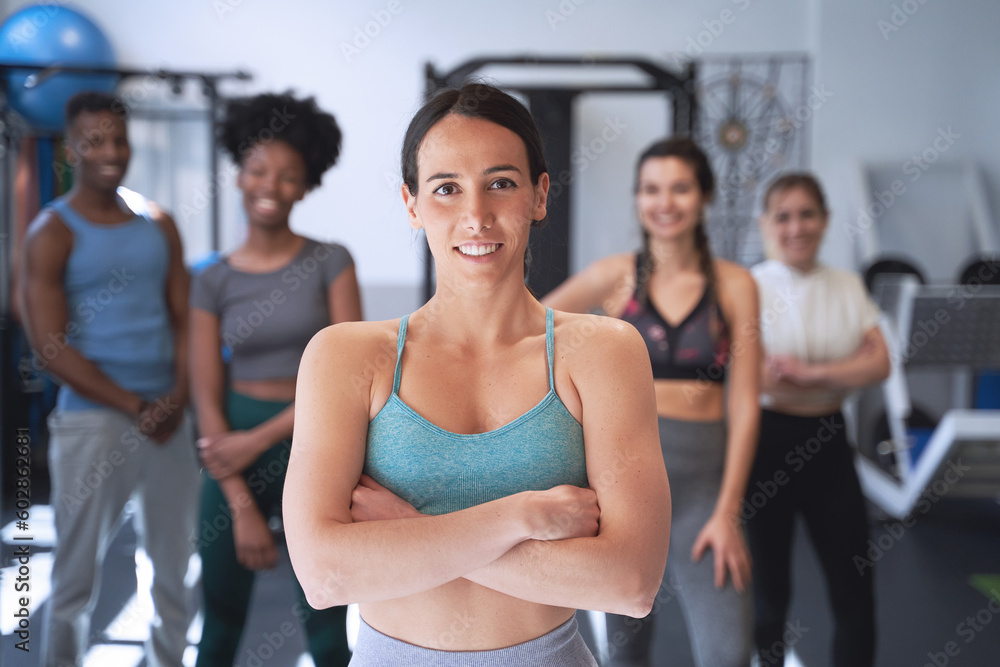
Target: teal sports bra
{"points": [[438, 471]]}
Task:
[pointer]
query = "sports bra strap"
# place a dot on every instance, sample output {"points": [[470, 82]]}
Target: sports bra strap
{"points": [[549, 349], [550, 345], [400, 339]]}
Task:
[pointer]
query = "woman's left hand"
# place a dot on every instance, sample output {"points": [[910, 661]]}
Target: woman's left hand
{"points": [[226, 454], [724, 536], [371, 501]]}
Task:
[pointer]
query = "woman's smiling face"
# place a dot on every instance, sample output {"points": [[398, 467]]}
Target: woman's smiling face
{"points": [[668, 198], [476, 200], [272, 178], [793, 226]]}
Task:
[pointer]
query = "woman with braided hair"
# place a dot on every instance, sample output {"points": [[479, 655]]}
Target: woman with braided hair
{"points": [[263, 301], [698, 316]]}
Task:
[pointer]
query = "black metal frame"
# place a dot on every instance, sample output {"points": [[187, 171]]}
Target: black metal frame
{"points": [[552, 109]]}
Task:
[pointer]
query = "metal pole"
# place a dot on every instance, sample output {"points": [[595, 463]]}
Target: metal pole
{"points": [[211, 91]]}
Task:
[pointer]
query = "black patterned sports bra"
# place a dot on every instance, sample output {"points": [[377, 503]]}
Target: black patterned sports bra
{"points": [[695, 349]]}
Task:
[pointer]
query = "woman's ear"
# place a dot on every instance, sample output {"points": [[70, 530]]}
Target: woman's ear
{"points": [[540, 209], [410, 201]]}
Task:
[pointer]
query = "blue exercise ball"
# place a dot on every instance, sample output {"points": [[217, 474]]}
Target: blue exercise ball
{"points": [[52, 35]]}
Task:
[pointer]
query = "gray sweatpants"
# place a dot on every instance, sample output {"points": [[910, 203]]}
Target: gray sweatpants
{"points": [[720, 622], [97, 460]]}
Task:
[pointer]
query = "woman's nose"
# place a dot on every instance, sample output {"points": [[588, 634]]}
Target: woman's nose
{"points": [[478, 214]]}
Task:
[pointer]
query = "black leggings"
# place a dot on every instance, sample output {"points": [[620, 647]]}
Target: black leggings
{"points": [[804, 464]]}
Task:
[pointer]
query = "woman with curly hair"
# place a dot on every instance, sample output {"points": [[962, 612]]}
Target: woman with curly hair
{"points": [[263, 302]]}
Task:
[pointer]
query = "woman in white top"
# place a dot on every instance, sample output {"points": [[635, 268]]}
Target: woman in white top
{"points": [[821, 341]]}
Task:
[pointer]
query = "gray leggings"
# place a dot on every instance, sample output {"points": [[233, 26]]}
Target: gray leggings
{"points": [[719, 622], [563, 647]]}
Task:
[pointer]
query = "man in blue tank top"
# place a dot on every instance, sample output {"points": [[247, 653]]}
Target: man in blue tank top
{"points": [[104, 296]]}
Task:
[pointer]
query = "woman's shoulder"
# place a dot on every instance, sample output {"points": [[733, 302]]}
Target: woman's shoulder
{"points": [[623, 262], [209, 270], [600, 353], [591, 338], [838, 275], [354, 343], [621, 259], [605, 284], [327, 245], [735, 282], [360, 331], [323, 250], [847, 284], [612, 268], [732, 272]]}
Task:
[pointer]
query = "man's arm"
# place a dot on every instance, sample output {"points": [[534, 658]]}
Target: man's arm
{"points": [[46, 321], [178, 285], [167, 411]]}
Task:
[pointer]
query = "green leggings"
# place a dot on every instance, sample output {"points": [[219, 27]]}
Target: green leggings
{"points": [[226, 585]]}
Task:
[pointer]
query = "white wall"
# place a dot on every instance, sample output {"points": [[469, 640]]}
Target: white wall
{"points": [[893, 91], [373, 93], [890, 96]]}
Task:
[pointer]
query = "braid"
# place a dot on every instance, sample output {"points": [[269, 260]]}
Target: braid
{"points": [[645, 272], [705, 259], [708, 268]]}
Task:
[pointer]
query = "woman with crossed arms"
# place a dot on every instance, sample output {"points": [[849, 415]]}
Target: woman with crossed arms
{"points": [[471, 474]]}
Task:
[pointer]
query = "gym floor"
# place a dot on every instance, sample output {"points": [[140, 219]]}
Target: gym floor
{"points": [[932, 580]]}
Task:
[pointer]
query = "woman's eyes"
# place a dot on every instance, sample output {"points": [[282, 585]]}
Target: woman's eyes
{"points": [[499, 184], [808, 214], [285, 178], [681, 189]]}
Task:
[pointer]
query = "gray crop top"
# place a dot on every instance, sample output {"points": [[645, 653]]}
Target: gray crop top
{"points": [[267, 319]]}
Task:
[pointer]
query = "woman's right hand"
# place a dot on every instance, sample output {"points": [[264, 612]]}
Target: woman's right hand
{"points": [[563, 512], [255, 549]]}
